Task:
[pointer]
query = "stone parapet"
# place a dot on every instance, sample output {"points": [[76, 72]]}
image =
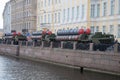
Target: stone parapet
{"points": [[89, 59]]}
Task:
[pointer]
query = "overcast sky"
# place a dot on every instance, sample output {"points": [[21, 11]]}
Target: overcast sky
{"points": [[2, 4]]}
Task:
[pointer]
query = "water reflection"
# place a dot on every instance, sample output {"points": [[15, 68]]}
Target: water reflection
{"points": [[17, 69]]}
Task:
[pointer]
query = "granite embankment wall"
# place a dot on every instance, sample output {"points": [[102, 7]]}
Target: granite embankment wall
{"points": [[89, 59]]}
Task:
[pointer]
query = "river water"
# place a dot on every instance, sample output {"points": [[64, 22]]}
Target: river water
{"points": [[20, 69]]}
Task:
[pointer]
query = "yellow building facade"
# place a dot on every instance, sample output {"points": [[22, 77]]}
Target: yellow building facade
{"points": [[98, 15], [62, 14]]}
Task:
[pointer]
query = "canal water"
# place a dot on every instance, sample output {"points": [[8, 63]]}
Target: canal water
{"points": [[19, 69]]}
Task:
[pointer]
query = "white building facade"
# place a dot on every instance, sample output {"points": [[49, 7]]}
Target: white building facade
{"points": [[7, 18], [105, 17], [62, 14], [98, 15]]}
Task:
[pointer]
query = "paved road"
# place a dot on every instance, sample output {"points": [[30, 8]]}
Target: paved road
{"points": [[18, 69]]}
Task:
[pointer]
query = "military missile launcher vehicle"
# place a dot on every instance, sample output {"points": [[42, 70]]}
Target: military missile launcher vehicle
{"points": [[43, 36], [84, 36], [15, 37]]}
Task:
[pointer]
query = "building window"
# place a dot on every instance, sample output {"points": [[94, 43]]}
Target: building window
{"points": [[38, 19], [44, 18], [59, 1], [41, 19], [64, 15], [29, 25], [82, 11], [48, 18], [118, 31], [92, 10], [97, 28], [52, 2], [48, 2], [104, 29], [104, 8], [92, 29], [27, 2], [119, 7], [45, 3], [72, 12], [98, 10], [112, 6], [41, 3], [55, 17], [111, 29], [59, 17], [77, 12], [55, 1], [68, 14]]}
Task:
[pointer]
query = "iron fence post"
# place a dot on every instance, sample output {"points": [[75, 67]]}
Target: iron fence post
{"points": [[61, 45], [42, 44], [51, 44], [91, 46], [33, 44], [116, 48], [26, 43], [74, 45]]}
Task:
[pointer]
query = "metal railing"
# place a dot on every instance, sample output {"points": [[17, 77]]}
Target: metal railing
{"points": [[82, 46], [23, 43], [56, 44], [37, 44], [119, 47], [69, 45], [30, 43], [103, 47], [46, 44]]}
